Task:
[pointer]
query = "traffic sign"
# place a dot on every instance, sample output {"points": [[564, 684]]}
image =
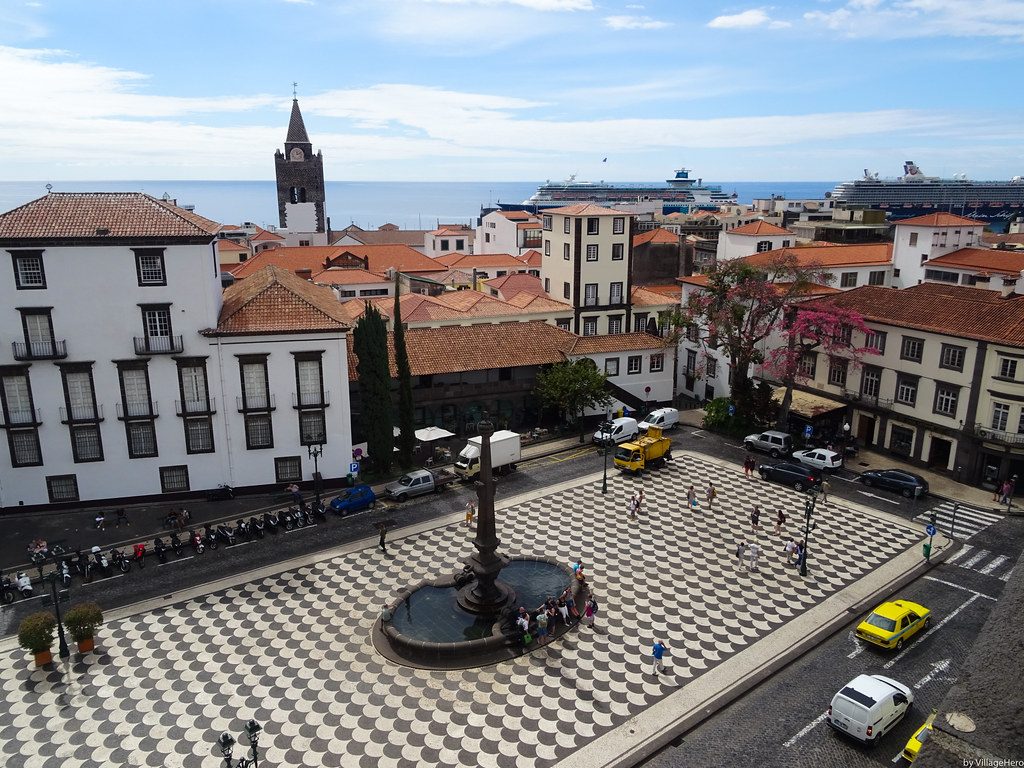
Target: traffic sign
{"points": [[354, 467], [808, 430], [930, 530]]}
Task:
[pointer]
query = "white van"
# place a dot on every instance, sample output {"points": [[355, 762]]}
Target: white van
{"points": [[622, 429], [868, 707], [666, 418]]}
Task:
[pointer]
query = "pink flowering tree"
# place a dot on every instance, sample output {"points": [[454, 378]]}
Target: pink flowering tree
{"points": [[823, 328]]}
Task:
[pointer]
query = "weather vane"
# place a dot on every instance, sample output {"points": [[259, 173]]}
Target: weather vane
{"points": [[295, 90]]}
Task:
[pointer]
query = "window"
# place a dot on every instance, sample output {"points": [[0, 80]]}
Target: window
{"points": [[40, 344], [592, 253], [28, 270], [566, 225], [1000, 415], [634, 364], [141, 439], [618, 225], [504, 374], [288, 469], [946, 399], [808, 365], [547, 285], [590, 326], [590, 295], [85, 443], [309, 380], [845, 334], [901, 440], [906, 390], [156, 326], [199, 434], [62, 488], [692, 332], [195, 397], [764, 245], [259, 432], [615, 324], [564, 323], [913, 239], [135, 400], [611, 366], [593, 225], [312, 427], [16, 395], [848, 280], [942, 276], [912, 349], [487, 237], [952, 357], [565, 252], [566, 290], [640, 322], [547, 223], [174, 479], [255, 386], [303, 242], [460, 245], [876, 277], [547, 247], [617, 250], [1007, 368], [657, 363], [149, 266], [615, 293], [837, 372], [691, 363], [876, 340], [871, 382], [1020, 423], [79, 395], [444, 245], [24, 445], [712, 367]]}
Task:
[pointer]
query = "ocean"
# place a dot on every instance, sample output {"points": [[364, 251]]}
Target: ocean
{"points": [[369, 204]]}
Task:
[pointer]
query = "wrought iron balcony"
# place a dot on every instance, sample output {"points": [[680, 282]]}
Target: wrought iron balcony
{"points": [[256, 403], [311, 400], [196, 407], [860, 398], [26, 417], [999, 435], [158, 345], [81, 414], [146, 410], [40, 350]]}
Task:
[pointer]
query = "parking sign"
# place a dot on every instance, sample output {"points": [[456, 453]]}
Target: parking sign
{"points": [[808, 430], [353, 467]]}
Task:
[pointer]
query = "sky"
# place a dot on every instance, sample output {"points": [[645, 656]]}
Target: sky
{"points": [[509, 90]]}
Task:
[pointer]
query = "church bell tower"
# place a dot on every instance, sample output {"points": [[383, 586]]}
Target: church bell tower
{"points": [[300, 186]]}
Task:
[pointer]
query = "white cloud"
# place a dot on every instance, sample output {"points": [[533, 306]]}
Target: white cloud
{"points": [[299, 2], [533, 5], [888, 19], [634, 22], [755, 17]]}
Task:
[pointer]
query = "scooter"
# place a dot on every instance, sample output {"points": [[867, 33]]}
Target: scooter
{"points": [[176, 544], [222, 492], [319, 510], [122, 563], [101, 562], [64, 572], [24, 585], [7, 591], [287, 519], [161, 550], [257, 526], [210, 537], [242, 529], [83, 564], [226, 534], [308, 516], [139, 554], [196, 540], [271, 522]]}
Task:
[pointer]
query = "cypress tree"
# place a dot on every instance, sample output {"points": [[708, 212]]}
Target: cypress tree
{"points": [[371, 347], [407, 438]]}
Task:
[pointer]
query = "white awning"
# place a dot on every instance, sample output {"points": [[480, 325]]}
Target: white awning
{"points": [[429, 434]]}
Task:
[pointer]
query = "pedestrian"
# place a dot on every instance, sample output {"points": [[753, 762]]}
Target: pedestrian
{"points": [[470, 513], [826, 487], [658, 652], [780, 520], [293, 489], [570, 603], [710, 494], [801, 552], [749, 464], [640, 499], [790, 550], [577, 566], [755, 518], [589, 609], [755, 552], [99, 520], [691, 497], [542, 626], [633, 504], [523, 620], [563, 611], [741, 548], [581, 576], [383, 537]]}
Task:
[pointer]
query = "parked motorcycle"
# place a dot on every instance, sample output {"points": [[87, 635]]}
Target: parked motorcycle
{"points": [[319, 510], [122, 563], [222, 492], [175, 542], [83, 564], [226, 534], [7, 590], [271, 522], [23, 584], [242, 530], [210, 537], [287, 520], [308, 516], [64, 572], [196, 540], [161, 550], [101, 562], [257, 526], [139, 555]]}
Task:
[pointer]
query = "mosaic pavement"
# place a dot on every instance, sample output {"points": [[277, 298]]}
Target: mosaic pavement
{"points": [[292, 650]]}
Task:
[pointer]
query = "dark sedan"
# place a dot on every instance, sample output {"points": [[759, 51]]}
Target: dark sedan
{"points": [[800, 477], [897, 480]]}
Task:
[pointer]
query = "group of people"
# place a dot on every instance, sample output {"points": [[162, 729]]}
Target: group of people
{"points": [[636, 503], [752, 550], [540, 625], [1004, 492], [710, 494]]}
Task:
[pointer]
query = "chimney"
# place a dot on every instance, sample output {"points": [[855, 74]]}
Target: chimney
{"points": [[1008, 288], [305, 273]]}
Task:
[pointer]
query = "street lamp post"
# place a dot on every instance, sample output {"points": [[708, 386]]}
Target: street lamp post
{"points": [[315, 452], [606, 430], [54, 555], [227, 744], [808, 527]]}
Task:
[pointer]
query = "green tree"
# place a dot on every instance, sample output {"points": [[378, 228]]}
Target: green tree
{"points": [[371, 347], [573, 387], [407, 437]]}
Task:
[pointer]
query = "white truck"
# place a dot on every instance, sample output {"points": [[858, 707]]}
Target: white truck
{"points": [[506, 450]]}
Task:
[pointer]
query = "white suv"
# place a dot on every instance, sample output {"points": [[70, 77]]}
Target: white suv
{"points": [[773, 443]]}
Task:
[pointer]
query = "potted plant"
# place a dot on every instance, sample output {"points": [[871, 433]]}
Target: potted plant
{"points": [[82, 621], [36, 634]]}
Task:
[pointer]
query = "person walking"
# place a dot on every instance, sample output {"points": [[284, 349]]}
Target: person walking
{"points": [[755, 518], [790, 550], [710, 494], [755, 552], [641, 497], [470, 513], [780, 520], [741, 548], [749, 464], [589, 609], [801, 552], [658, 652], [383, 539], [542, 626], [691, 498], [826, 488], [633, 504], [293, 489]]}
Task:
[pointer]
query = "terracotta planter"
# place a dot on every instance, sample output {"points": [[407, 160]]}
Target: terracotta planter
{"points": [[43, 658], [86, 645]]}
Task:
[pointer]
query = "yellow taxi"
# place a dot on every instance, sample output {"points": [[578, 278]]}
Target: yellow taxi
{"points": [[920, 737], [891, 624]]}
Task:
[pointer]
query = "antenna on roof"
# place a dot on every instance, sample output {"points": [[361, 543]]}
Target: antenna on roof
{"points": [[295, 90], [165, 197], [48, 188]]}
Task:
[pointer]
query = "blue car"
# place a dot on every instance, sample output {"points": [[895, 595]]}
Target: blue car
{"points": [[356, 498]]}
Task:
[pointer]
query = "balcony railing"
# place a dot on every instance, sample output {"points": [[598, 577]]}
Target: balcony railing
{"points": [[311, 400], [590, 301], [532, 242], [144, 410], [998, 435], [196, 407], [863, 399], [250, 403], [40, 350], [158, 345], [26, 417], [81, 414]]}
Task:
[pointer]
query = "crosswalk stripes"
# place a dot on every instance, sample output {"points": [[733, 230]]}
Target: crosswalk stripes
{"points": [[982, 561], [993, 564], [968, 521]]}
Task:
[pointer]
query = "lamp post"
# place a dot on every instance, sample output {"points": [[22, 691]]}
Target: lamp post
{"points": [[315, 452], [227, 744], [54, 555], [606, 429], [647, 396], [808, 527]]}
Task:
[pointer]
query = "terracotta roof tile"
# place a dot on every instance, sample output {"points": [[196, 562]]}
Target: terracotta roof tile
{"points": [[226, 245], [1015, 238], [953, 310], [827, 255], [480, 260], [102, 215], [262, 234], [645, 298], [759, 227], [380, 258], [619, 342], [585, 209], [532, 257], [518, 215], [529, 225], [513, 284], [346, 276], [673, 291], [410, 237], [1007, 262], [656, 235], [940, 219], [274, 300], [457, 306]]}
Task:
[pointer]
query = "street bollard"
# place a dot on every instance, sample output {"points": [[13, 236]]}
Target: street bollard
{"points": [[927, 550]]}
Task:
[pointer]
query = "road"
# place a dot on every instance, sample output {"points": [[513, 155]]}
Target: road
{"points": [[781, 722]]}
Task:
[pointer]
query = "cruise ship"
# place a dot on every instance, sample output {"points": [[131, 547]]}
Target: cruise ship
{"points": [[679, 194], [913, 194]]}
